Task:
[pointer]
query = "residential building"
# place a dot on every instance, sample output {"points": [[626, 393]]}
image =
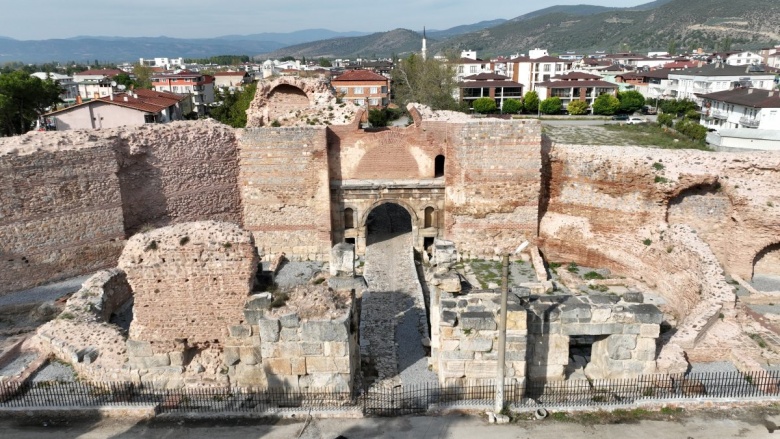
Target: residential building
{"points": [[363, 87], [466, 66], [744, 58], [568, 90], [536, 68], [165, 63], [652, 84], [198, 86], [489, 85], [711, 78], [232, 80], [94, 84], [741, 108], [131, 108], [70, 89]]}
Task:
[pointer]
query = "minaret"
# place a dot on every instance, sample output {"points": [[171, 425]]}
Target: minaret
{"points": [[424, 47]]}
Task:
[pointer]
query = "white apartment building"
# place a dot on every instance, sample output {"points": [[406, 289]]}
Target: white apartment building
{"points": [[70, 89], [711, 78], [741, 108], [536, 68], [744, 58]]}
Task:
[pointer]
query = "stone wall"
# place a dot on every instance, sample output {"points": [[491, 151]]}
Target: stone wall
{"points": [[285, 191], [69, 199], [190, 282], [60, 208], [178, 172]]}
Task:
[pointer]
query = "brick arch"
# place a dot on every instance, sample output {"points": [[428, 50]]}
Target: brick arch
{"points": [[390, 163], [771, 249], [406, 206], [285, 98]]}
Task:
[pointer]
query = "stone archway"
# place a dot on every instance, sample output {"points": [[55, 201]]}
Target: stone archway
{"points": [[388, 220], [766, 268]]}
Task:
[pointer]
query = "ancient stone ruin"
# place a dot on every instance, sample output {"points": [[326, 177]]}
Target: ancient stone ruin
{"points": [[185, 218]]}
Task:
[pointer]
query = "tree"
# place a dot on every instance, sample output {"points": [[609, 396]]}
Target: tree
{"points": [[143, 76], [428, 82], [324, 62], [577, 108], [665, 119], [124, 79], [677, 106], [672, 49], [550, 105], [630, 101], [377, 117], [512, 106], [23, 98], [485, 105], [606, 104], [531, 102], [232, 111]]}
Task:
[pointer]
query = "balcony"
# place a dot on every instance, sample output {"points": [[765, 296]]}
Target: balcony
{"points": [[749, 122]]}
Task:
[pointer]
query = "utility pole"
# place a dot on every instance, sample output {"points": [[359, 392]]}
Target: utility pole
{"points": [[502, 336]]}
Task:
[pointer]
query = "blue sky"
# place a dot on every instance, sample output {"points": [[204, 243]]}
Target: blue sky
{"points": [[43, 19]]}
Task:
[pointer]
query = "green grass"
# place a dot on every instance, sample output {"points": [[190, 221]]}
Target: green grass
{"points": [[591, 275], [758, 339], [654, 136]]}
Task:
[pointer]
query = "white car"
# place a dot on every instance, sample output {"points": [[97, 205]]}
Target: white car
{"points": [[635, 120]]}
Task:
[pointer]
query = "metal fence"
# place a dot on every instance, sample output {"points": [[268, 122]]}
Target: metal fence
{"points": [[395, 401]]}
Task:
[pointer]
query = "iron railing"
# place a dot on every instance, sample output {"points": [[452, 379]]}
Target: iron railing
{"points": [[395, 401]]}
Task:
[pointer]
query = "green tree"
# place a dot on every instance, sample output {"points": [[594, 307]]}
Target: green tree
{"points": [[550, 105], [630, 101], [428, 82], [232, 111], [606, 104], [124, 79], [672, 48], [665, 119], [143, 76], [485, 105], [512, 106], [677, 106], [23, 98], [377, 117], [577, 108], [324, 62], [531, 102]]}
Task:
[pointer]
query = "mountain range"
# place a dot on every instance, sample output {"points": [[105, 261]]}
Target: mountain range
{"points": [[684, 24]]}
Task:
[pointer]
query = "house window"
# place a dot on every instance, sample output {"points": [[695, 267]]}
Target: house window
{"points": [[358, 90], [374, 90], [384, 89], [374, 101], [472, 69], [546, 67], [360, 102], [460, 69], [558, 67], [438, 166]]}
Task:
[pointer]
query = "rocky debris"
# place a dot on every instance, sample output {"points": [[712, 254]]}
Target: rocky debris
{"points": [[311, 302], [439, 115]]}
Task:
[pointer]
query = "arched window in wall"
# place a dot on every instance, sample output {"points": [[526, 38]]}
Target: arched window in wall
{"points": [[349, 218], [430, 219], [439, 166]]}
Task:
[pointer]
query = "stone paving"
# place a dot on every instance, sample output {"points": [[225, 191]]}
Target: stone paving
{"points": [[391, 327]]}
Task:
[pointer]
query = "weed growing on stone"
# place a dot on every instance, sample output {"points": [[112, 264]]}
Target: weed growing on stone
{"points": [[599, 288], [280, 300], [659, 179], [184, 240], [758, 339], [591, 275], [67, 316], [669, 249], [573, 268], [658, 166], [151, 246], [647, 241], [227, 245]]}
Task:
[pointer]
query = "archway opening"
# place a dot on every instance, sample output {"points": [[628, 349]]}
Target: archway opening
{"points": [[429, 217], [284, 99], [766, 269], [386, 221], [349, 218], [438, 166]]}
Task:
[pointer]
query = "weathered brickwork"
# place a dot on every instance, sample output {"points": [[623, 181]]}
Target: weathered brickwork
{"points": [[60, 214], [285, 191], [69, 199], [190, 282]]}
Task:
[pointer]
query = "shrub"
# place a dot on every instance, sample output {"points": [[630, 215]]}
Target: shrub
{"points": [[377, 117], [484, 105], [573, 268], [691, 129], [591, 275], [184, 240], [647, 241], [531, 102], [606, 104], [665, 120], [550, 105], [151, 246], [512, 106], [659, 179], [577, 108], [658, 166], [630, 101], [275, 123]]}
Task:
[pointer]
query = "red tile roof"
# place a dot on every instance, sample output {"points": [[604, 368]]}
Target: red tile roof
{"points": [[148, 101], [485, 77], [230, 74], [569, 84], [359, 75], [576, 76], [749, 97]]}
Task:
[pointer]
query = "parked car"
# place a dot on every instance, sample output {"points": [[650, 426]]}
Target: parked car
{"points": [[622, 117], [648, 110], [635, 120]]}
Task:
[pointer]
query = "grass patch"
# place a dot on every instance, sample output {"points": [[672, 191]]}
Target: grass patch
{"points": [[758, 339], [486, 272], [591, 275], [658, 166], [599, 288], [647, 241], [659, 179], [573, 267], [651, 135], [67, 316], [184, 240]]}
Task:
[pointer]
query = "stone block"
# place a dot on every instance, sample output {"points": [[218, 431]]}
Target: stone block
{"points": [[250, 355], [633, 297], [240, 331], [289, 320], [620, 347], [519, 367], [327, 365], [476, 344], [646, 313], [269, 349], [231, 355], [331, 381], [478, 321], [481, 369], [335, 348], [88, 355], [261, 301], [138, 348], [298, 366], [583, 329], [632, 328], [452, 369], [600, 315], [516, 321], [550, 349], [335, 330], [289, 334], [444, 254], [312, 349], [449, 282], [650, 330], [157, 360], [289, 349], [450, 345], [253, 315], [456, 355], [269, 329], [546, 372], [177, 358], [514, 355], [277, 366], [575, 313], [247, 376], [645, 349], [342, 260], [448, 318]]}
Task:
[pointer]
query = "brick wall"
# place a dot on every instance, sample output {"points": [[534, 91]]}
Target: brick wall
{"points": [[285, 190], [60, 214], [190, 281]]}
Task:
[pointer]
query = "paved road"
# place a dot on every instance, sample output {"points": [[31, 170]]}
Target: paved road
{"points": [[710, 426]]}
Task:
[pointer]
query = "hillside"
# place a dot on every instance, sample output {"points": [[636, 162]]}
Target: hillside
{"points": [[380, 44], [689, 23]]}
